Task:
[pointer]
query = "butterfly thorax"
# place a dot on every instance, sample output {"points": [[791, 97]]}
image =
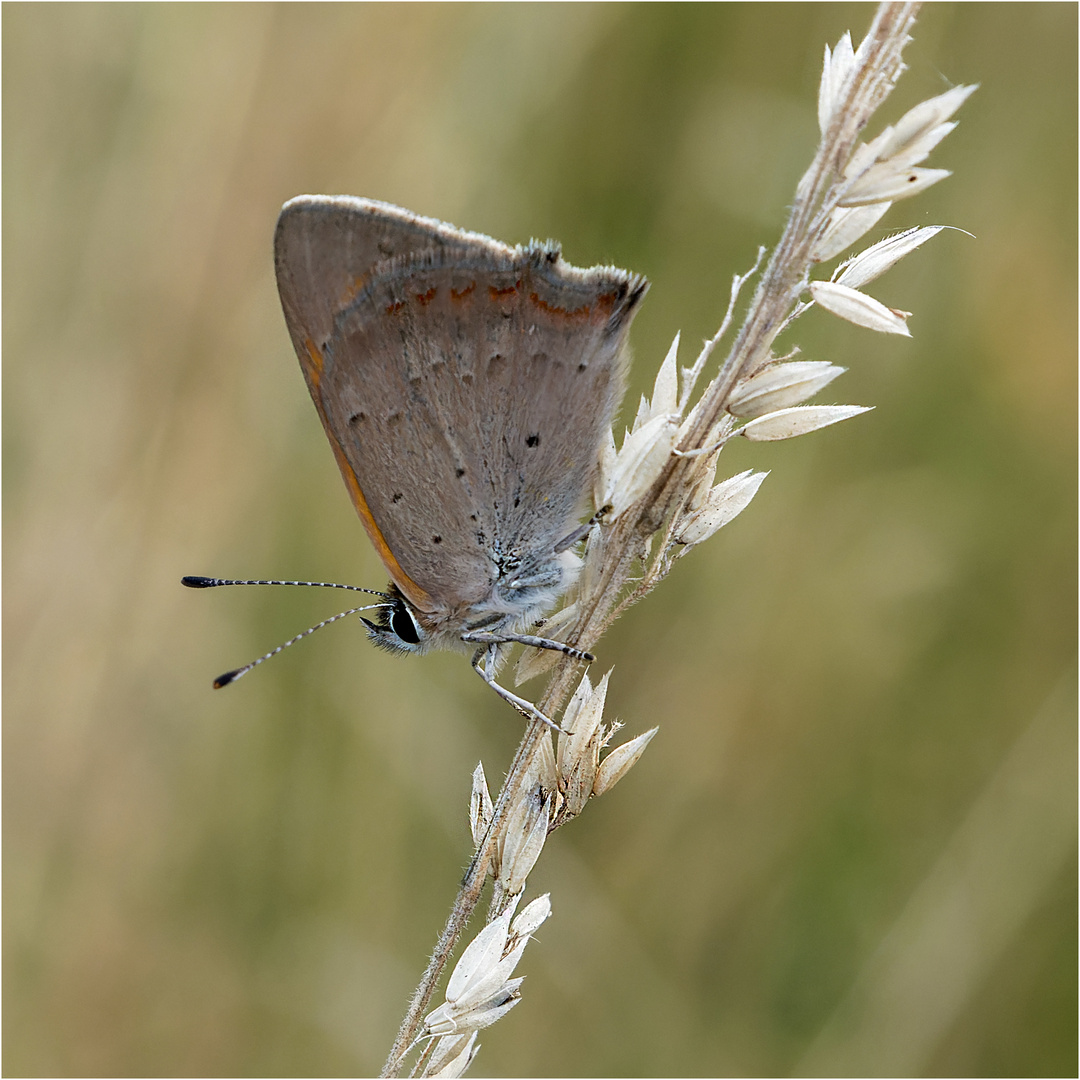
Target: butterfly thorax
{"points": [[519, 594]]}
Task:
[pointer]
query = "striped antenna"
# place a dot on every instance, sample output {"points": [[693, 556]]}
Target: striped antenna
{"points": [[196, 582], [232, 676]]}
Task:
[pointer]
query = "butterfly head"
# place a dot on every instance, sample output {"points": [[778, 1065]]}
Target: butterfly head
{"points": [[397, 628]]}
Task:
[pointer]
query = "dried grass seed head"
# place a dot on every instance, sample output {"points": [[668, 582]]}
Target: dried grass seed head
{"points": [[858, 308], [779, 386], [801, 420], [724, 503], [620, 761]]}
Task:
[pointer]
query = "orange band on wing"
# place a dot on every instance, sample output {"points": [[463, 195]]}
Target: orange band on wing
{"points": [[417, 596], [313, 365]]}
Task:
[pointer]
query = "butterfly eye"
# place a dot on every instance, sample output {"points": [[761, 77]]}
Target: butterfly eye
{"points": [[404, 626]]}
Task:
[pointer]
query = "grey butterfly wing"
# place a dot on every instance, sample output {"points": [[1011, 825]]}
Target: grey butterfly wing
{"points": [[464, 385]]}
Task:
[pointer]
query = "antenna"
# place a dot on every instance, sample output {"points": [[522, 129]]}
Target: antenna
{"points": [[197, 582], [194, 581]]}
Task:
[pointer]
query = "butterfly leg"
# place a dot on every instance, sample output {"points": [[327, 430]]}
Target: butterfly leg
{"points": [[582, 530], [489, 654], [483, 637]]}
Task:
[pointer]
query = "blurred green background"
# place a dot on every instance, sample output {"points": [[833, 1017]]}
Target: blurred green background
{"points": [[851, 849]]}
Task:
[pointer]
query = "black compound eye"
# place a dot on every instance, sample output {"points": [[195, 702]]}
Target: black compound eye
{"points": [[401, 622]]}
